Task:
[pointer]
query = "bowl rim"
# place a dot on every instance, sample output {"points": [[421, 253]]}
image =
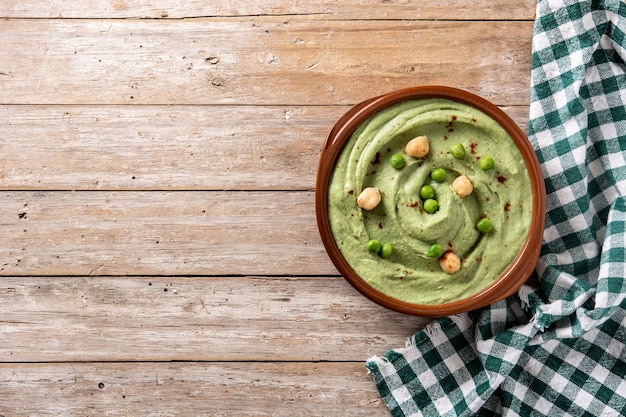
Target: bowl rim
{"points": [[513, 276]]}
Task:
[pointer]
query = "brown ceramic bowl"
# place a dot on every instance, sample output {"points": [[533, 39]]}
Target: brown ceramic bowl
{"points": [[520, 268]]}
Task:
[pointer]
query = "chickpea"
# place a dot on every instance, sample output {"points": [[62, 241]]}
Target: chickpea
{"points": [[450, 262], [462, 186], [369, 198], [417, 147]]}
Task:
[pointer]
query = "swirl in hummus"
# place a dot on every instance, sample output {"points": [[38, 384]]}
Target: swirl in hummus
{"points": [[502, 194]]}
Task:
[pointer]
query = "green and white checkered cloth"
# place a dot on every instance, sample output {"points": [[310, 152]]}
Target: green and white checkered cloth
{"points": [[560, 349]]}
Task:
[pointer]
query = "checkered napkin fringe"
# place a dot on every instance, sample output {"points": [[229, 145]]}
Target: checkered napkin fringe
{"points": [[559, 349]]}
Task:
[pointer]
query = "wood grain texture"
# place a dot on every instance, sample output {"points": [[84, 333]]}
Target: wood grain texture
{"points": [[162, 147], [161, 233], [189, 389], [194, 319], [361, 9], [167, 147], [159, 252], [252, 60]]}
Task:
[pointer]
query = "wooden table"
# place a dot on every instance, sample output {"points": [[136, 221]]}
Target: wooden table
{"points": [[159, 253]]}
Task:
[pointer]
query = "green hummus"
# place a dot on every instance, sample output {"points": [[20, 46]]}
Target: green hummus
{"points": [[502, 194]]}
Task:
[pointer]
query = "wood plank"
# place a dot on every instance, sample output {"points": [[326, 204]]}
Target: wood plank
{"points": [[148, 265], [271, 60], [160, 233], [167, 147], [356, 9], [123, 319], [189, 389], [162, 147]]}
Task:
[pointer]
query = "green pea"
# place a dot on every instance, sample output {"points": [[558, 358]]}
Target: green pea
{"points": [[484, 225], [486, 163], [396, 161], [427, 192], [438, 175], [374, 246], [387, 250], [435, 251], [458, 151], [431, 206]]}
